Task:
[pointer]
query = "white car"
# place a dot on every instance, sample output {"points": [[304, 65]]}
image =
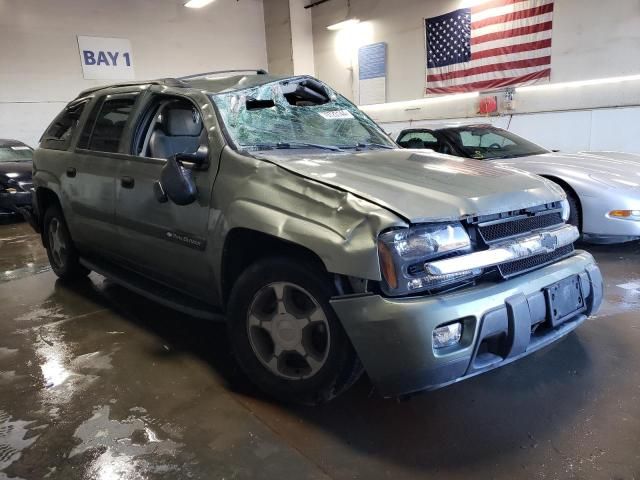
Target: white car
{"points": [[603, 188]]}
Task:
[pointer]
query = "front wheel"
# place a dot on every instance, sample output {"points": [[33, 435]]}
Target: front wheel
{"points": [[575, 215], [286, 336], [62, 254]]}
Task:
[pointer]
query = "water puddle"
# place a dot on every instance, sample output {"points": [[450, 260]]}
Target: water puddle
{"points": [[127, 448], [21, 272], [13, 439]]}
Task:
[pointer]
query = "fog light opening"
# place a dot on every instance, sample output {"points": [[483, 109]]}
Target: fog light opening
{"points": [[447, 335]]}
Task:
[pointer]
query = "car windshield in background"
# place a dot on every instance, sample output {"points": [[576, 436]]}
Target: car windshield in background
{"points": [[295, 114], [490, 143], [17, 153]]}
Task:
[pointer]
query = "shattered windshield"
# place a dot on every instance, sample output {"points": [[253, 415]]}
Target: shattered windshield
{"points": [[296, 113]]}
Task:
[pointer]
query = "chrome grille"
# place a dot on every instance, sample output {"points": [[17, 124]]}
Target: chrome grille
{"points": [[508, 226], [494, 232], [524, 265]]}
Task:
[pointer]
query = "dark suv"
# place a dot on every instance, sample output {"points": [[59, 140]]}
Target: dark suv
{"points": [[278, 202]]}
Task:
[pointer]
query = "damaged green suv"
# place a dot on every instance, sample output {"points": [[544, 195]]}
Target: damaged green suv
{"points": [[329, 250]]}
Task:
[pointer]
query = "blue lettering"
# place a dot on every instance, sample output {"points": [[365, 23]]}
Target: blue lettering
{"points": [[89, 57], [127, 59], [114, 58], [102, 58]]}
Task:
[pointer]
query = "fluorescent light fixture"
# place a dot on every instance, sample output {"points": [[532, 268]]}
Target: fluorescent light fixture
{"points": [[344, 24], [579, 83], [197, 3], [418, 103]]}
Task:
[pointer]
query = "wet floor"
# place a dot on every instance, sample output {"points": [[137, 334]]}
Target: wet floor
{"points": [[98, 383]]}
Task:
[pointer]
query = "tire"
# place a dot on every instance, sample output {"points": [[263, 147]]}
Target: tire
{"points": [[62, 254], [287, 358], [575, 213]]}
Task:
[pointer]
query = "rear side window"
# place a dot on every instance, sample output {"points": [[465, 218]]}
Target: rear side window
{"points": [[58, 135], [106, 124]]}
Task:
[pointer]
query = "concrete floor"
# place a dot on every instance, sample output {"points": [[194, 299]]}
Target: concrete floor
{"points": [[98, 383]]}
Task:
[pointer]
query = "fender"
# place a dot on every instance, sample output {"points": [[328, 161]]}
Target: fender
{"points": [[339, 227]]}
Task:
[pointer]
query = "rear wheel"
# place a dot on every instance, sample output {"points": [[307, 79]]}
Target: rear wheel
{"points": [[62, 254], [285, 335]]}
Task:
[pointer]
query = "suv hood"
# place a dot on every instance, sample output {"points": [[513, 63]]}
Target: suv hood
{"points": [[423, 186]]}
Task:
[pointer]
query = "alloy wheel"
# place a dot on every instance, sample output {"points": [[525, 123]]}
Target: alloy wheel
{"points": [[288, 331], [57, 242]]}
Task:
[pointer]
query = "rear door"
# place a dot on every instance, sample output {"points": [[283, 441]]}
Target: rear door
{"points": [[90, 176], [165, 241]]}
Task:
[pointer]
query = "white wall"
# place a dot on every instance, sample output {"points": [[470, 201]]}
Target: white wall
{"points": [[605, 129], [591, 39], [301, 38], [277, 21], [40, 66]]}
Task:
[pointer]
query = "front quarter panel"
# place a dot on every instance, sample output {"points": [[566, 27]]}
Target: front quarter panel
{"points": [[338, 226], [596, 199]]}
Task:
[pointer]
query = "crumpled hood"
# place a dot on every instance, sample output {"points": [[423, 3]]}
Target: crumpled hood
{"points": [[423, 186], [593, 163]]}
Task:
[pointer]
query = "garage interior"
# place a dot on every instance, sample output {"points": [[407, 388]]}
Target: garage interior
{"points": [[98, 382]]}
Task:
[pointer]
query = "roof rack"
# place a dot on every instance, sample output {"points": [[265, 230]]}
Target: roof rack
{"points": [[172, 82], [258, 71]]}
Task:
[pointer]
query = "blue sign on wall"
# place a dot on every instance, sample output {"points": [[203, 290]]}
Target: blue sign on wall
{"points": [[372, 73]]}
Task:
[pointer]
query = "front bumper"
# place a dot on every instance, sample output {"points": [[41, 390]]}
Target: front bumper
{"points": [[599, 227], [13, 202], [393, 336]]}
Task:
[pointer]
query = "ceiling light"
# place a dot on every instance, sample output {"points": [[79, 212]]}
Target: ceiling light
{"points": [[418, 103], [197, 3], [344, 24]]}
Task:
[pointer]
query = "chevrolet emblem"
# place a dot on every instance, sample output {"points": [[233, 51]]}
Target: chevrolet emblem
{"points": [[549, 242]]}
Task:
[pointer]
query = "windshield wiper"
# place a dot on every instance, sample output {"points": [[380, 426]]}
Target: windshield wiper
{"points": [[288, 145], [370, 145]]}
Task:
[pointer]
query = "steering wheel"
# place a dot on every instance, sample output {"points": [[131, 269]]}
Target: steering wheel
{"points": [[495, 146]]}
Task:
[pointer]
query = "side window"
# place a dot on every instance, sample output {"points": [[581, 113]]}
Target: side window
{"points": [[106, 124], [172, 125], [58, 135]]}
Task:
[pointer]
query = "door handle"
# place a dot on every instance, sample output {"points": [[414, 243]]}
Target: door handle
{"points": [[127, 182], [71, 172]]}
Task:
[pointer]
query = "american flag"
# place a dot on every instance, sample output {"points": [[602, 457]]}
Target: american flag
{"points": [[495, 44]]}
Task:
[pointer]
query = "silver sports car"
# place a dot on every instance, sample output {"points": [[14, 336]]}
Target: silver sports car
{"points": [[603, 189]]}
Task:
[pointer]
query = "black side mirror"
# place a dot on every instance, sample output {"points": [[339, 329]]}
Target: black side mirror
{"points": [[176, 182], [200, 158]]}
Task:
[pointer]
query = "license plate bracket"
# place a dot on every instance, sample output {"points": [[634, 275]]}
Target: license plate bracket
{"points": [[564, 300]]}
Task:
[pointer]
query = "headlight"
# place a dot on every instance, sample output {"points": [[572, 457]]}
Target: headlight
{"points": [[566, 209], [403, 254]]}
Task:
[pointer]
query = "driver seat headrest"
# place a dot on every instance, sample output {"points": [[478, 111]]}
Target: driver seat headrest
{"points": [[179, 122]]}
